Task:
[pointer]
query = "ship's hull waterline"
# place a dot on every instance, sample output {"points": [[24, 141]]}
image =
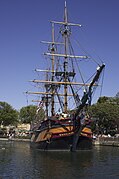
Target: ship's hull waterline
{"points": [[61, 138], [64, 143]]}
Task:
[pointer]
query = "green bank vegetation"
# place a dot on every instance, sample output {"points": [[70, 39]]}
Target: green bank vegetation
{"points": [[105, 114]]}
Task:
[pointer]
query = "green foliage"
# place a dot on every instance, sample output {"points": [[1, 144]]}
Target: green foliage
{"points": [[110, 100], [103, 99], [28, 114], [106, 115], [8, 115]]}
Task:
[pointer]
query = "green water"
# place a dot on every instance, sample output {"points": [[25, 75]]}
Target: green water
{"points": [[19, 161]]}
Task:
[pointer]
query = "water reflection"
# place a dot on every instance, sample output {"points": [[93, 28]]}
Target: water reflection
{"points": [[62, 164], [13, 159], [19, 161]]}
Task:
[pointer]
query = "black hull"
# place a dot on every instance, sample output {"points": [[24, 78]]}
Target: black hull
{"points": [[63, 143]]}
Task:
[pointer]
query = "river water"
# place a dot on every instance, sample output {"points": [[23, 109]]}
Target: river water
{"points": [[19, 161]]}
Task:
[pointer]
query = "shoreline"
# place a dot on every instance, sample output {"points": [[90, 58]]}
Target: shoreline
{"points": [[101, 141], [14, 139]]}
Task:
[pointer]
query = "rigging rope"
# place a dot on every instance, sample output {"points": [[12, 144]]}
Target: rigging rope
{"points": [[76, 62], [82, 30], [81, 47]]}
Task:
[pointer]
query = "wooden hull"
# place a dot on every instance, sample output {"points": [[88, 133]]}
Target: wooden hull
{"points": [[60, 135], [63, 143]]}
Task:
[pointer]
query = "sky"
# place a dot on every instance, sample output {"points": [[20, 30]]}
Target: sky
{"points": [[25, 23]]}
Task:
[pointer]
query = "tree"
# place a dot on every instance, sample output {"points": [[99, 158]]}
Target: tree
{"points": [[106, 115], [28, 114], [103, 99], [8, 115], [110, 100]]}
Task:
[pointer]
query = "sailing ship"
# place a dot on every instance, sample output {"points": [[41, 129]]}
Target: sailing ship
{"points": [[66, 124]]}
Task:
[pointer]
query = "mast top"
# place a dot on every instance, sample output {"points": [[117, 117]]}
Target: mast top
{"points": [[65, 3], [65, 22], [65, 13]]}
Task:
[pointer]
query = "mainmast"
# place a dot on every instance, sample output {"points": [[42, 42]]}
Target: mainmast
{"points": [[53, 73], [65, 35]]}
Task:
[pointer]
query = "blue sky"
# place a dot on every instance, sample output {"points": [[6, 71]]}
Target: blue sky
{"points": [[24, 23]]}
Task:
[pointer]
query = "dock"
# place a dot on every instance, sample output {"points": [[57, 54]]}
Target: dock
{"points": [[107, 141]]}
